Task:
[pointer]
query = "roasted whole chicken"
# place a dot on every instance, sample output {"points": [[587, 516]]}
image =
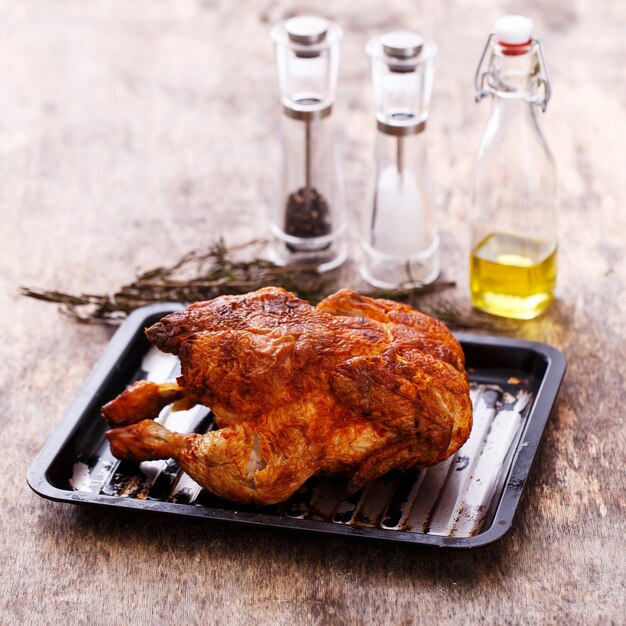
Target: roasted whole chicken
{"points": [[354, 386]]}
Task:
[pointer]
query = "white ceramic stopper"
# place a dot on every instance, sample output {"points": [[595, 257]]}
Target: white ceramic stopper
{"points": [[513, 30]]}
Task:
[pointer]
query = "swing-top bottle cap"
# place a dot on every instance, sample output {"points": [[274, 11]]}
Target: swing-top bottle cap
{"points": [[513, 30], [512, 36]]}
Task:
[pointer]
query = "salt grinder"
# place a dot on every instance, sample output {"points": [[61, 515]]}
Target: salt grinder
{"points": [[400, 240], [308, 221]]}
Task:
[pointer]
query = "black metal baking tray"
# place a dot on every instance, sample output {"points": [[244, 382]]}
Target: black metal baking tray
{"points": [[466, 502]]}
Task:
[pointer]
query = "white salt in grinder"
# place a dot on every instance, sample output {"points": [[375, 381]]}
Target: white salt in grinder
{"points": [[400, 242]]}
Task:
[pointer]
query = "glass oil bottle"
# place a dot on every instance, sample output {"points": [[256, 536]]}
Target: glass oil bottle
{"points": [[308, 223], [513, 210], [400, 242]]}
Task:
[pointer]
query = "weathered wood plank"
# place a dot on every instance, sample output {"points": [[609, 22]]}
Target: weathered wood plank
{"points": [[133, 132]]}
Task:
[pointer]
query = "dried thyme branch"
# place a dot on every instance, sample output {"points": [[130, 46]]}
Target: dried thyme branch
{"points": [[202, 275], [475, 320]]}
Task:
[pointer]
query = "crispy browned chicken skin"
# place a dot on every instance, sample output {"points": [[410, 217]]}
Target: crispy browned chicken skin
{"points": [[354, 386]]}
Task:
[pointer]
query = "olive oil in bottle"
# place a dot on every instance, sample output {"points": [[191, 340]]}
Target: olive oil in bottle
{"points": [[513, 208], [513, 276]]}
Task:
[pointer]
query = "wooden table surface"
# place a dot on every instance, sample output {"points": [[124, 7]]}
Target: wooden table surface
{"points": [[132, 132]]}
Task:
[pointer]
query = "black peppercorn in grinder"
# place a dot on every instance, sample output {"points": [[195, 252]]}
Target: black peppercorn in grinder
{"points": [[308, 221]]}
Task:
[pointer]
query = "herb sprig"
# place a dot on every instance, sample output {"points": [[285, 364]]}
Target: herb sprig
{"points": [[220, 270]]}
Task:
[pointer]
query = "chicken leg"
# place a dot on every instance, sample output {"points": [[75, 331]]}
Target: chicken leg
{"points": [[233, 462]]}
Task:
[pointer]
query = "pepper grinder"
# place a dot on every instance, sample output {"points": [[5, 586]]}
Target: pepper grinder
{"points": [[400, 241], [308, 223]]}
